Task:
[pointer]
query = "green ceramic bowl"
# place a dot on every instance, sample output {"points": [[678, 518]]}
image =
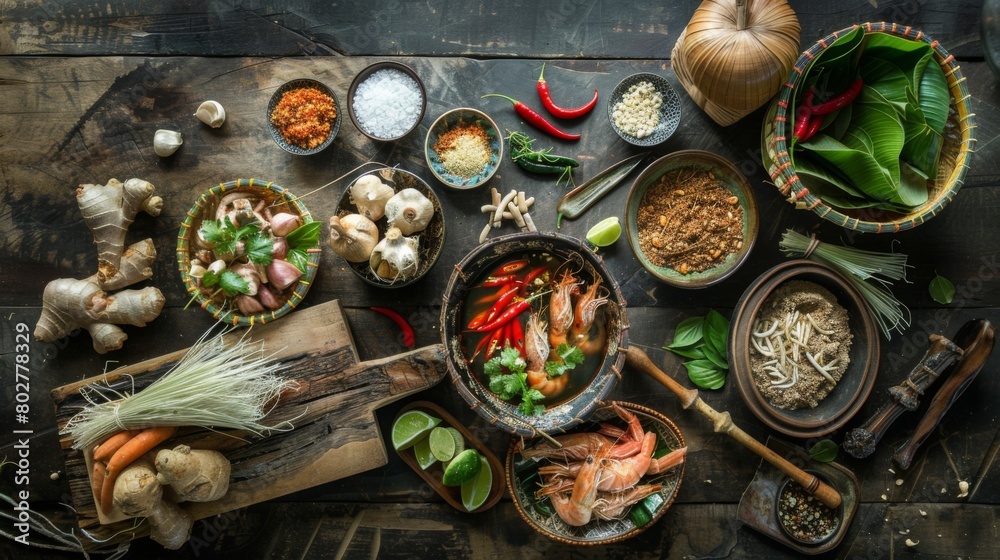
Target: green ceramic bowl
{"points": [[732, 180]]}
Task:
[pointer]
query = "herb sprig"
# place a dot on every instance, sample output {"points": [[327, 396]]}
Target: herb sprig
{"points": [[703, 341], [509, 380]]}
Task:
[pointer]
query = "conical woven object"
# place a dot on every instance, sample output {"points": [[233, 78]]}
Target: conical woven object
{"points": [[734, 54]]}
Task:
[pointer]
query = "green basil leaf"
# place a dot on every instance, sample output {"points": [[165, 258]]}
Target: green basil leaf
{"points": [[299, 258], [688, 332], [305, 236], [942, 290], [824, 451], [705, 374], [694, 352], [716, 332], [717, 358]]}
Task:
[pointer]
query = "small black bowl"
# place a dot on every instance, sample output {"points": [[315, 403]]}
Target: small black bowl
{"points": [[814, 508], [367, 73], [279, 138]]}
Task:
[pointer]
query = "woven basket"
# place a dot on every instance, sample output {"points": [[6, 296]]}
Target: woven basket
{"points": [[956, 153], [281, 201]]}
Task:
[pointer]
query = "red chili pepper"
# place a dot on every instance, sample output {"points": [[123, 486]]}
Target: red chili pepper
{"points": [[535, 119], [494, 281], [479, 319], [555, 110], [803, 113], [839, 101], [409, 339], [519, 337], [531, 276], [505, 317], [509, 268], [494, 341], [814, 123], [502, 303]]}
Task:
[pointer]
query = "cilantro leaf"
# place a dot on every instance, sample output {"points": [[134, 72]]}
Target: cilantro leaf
{"points": [[232, 283], [259, 249], [210, 279], [569, 358], [492, 368], [509, 381], [214, 231]]}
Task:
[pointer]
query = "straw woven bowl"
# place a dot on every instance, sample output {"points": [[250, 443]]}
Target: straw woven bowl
{"points": [[281, 201], [956, 153]]}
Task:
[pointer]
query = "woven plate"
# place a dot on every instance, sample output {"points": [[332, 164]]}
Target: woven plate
{"points": [[281, 201], [670, 110], [959, 137]]}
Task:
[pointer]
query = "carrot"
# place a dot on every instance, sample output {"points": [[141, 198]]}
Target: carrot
{"points": [[112, 444], [97, 479], [126, 455]]}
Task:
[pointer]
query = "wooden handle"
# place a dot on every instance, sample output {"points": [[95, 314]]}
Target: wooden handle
{"points": [[958, 380], [723, 423]]}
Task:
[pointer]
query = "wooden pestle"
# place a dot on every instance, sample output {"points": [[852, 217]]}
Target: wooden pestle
{"points": [[976, 353], [723, 423]]}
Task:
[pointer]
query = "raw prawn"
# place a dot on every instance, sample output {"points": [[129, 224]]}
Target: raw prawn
{"points": [[537, 350], [577, 508], [561, 308], [613, 506], [620, 474]]}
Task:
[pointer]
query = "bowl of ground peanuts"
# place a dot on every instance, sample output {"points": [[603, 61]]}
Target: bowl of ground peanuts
{"points": [[303, 116], [463, 148]]}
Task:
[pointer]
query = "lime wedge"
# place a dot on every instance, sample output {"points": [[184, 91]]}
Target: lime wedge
{"points": [[410, 427], [605, 232], [459, 439], [462, 468], [422, 451], [442, 444], [475, 491]]}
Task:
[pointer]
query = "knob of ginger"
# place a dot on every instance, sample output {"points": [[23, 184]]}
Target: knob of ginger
{"points": [[138, 494], [197, 475]]}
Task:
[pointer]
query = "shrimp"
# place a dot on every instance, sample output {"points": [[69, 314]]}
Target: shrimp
{"points": [[584, 312], [561, 308], [612, 506], [537, 350], [577, 508]]}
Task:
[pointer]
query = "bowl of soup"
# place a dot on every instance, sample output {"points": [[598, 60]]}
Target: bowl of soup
{"points": [[534, 325]]}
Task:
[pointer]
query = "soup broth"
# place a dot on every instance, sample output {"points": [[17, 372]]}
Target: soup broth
{"points": [[538, 280]]}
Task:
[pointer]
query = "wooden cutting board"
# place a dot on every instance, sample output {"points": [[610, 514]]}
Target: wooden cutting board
{"points": [[335, 432]]}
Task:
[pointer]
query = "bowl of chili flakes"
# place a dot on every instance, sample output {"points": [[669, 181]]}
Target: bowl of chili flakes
{"points": [[303, 116]]}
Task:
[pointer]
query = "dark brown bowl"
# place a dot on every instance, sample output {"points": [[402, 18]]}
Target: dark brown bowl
{"points": [[844, 401], [520, 477], [504, 415], [364, 75]]}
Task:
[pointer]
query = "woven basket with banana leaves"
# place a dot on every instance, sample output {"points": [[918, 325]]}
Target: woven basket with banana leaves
{"points": [[941, 174]]}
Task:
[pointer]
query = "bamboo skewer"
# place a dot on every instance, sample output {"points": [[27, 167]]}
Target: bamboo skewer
{"points": [[723, 424]]}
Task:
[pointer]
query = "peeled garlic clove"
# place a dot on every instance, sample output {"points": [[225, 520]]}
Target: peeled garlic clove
{"points": [[166, 142], [211, 113]]}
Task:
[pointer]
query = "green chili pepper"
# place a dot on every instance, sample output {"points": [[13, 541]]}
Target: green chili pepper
{"points": [[521, 151]]}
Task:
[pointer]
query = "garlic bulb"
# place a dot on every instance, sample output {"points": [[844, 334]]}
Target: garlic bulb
{"points": [[166, 142], [409, 210], [353, 237], [370, 195], [734, 55], [211, 113], [396, 257]]}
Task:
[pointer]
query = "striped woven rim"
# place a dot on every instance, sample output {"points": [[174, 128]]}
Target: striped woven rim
{"points": [[777, 129], [211, 197]]}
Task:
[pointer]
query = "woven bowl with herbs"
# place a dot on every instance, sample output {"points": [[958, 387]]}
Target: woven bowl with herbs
{"points": [[873, 130], [238, 263]]}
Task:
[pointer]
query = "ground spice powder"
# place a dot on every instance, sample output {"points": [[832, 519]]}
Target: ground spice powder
{"points": [[305, 117], [689, 221], [464, 150]]}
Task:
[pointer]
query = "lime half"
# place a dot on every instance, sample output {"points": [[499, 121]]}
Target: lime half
{"points": [[442, 444], [459, 439], [422, 452], [475, 491], [463, 468], [605, 232], [410, 427]]}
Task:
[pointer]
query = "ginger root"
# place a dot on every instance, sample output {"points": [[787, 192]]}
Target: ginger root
{"points": [[69, 304], [139, 494], [199, 475]]}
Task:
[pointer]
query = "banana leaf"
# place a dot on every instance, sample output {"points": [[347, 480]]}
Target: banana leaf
{"points": [[934, 97], [914, 56]]}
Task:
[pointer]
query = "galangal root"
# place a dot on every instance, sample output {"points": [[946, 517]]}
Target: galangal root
{"points": [[69, 304]]}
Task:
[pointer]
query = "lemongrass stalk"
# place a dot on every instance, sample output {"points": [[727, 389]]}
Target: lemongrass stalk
{"points": [[859, 266], [215, 385]]}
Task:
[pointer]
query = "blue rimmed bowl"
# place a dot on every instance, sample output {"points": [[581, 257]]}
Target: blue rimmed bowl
{"points": [[453, 119]]}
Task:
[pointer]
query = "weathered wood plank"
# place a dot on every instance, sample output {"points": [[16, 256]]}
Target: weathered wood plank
{"points": [[563, 29]]}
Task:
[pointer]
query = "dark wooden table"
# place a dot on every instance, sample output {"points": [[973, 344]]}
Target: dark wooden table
{"points": [[84, 85]]}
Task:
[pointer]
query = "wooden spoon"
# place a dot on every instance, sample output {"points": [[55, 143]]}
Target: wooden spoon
{"points": [[723, 423]]}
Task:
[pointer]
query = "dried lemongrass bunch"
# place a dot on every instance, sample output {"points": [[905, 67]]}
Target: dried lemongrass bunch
{"points": [[734, 55]]}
